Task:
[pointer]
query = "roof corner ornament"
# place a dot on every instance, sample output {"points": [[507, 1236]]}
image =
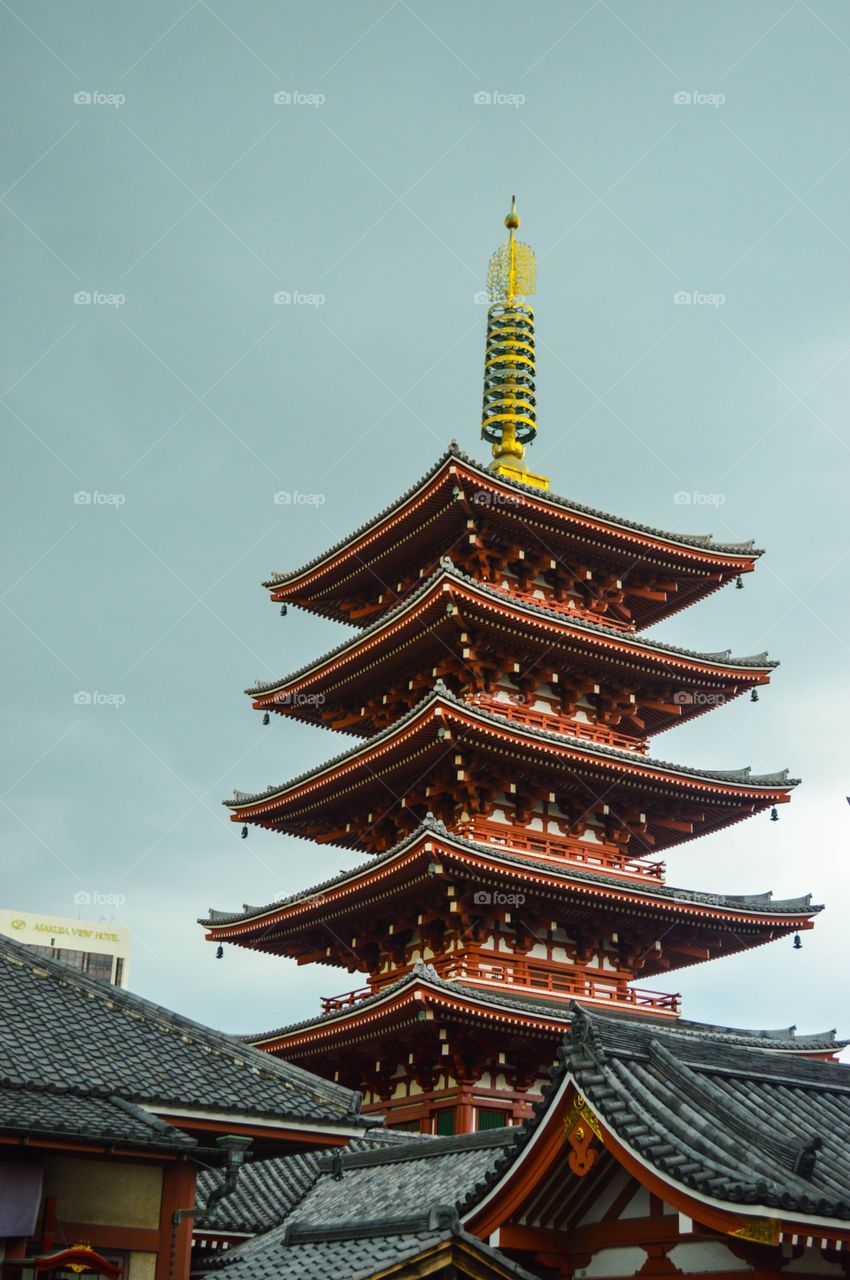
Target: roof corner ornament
{"points": [[509, 417], [581, 1126]]}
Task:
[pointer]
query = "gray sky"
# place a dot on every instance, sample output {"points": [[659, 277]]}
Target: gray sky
{"points": [[379, 191]]}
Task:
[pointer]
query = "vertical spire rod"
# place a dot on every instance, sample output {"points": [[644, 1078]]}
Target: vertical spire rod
{"points": [[509, 418]]}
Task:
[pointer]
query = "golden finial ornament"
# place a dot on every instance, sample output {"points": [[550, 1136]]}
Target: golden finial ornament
{"points": [[509, 418]]}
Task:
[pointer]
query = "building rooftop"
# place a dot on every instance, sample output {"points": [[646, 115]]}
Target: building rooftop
{"points": [[128, 1056], [451, 573], [702, 542], [735, 1124], [551, 1009], [743, 777], [756, 903]]}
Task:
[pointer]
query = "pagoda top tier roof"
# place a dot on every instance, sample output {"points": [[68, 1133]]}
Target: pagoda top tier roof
{"points": [[554, 1013], [448, 572], [398, 535], [758, 905], [735, 778]]}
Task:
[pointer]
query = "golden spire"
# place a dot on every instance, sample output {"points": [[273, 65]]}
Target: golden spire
{"points": [[509, 419]]}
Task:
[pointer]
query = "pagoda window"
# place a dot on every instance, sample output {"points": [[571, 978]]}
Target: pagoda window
{"points": [[486, 1118], [444, 1122]]}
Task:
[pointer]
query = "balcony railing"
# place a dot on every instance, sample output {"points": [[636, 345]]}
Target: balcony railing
{"points": [[556, 723], [541, 979], [518, 975], [563, 849], [570, 608], [334, 1004]]}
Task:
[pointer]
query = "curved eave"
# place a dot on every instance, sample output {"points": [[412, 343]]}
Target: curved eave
{"points": [[735, 557], [492, 1203], [360, 887], [632, 651], [402, 1002], [766, 788]]}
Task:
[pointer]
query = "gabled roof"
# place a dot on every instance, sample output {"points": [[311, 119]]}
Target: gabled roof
{"points": [[423, 1243], [702, 542], [127, 1053], [735, 777], [757, 904], [734, 1126]]}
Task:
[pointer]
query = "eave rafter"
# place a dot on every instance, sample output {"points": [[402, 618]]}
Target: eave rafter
{"points": [[449, 757], [652, 573], [473, 637]]}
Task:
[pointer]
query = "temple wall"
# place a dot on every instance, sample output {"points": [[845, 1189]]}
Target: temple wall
{"points": [[142, 1266], [105, 1193]]}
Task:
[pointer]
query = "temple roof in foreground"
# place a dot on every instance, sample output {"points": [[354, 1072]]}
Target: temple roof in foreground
{"points": [[80, 1057], [729, 1133], [567, 506], [728, 1122], [268, 1189]]}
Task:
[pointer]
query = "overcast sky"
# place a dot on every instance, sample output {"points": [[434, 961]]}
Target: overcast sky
{"points": [[656, 148]]}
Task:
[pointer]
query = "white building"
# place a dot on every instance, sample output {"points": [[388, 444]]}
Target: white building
{"points": [[96, 947]]}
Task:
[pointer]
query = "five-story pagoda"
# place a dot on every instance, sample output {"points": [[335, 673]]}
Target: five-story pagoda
{"points": [[501, 697]]}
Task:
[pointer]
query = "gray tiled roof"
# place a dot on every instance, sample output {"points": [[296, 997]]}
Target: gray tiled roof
{"points": [[738, 777], [384, 1204], [758, 661], [758, 903], [741, 1125], [558, 1010], [267, 1190], [364, 1250], [128, 1049], [80, 1113], [738, 1124], [685, 540]]}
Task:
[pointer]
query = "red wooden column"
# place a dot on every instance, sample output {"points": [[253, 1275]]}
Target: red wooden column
{"points": [[464, 1110], [175, 1242]]}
